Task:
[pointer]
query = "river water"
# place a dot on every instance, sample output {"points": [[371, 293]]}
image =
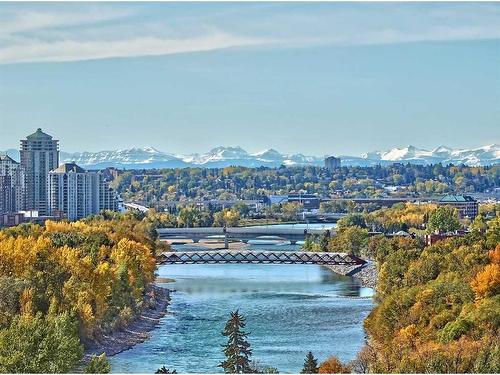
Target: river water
{"points": [[290, 309]]}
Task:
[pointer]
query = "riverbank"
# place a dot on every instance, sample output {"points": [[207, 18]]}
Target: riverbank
{"points": [[136, 332], [366, 273]]}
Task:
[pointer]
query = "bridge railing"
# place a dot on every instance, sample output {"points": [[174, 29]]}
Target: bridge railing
{"points": [[259, 257]]}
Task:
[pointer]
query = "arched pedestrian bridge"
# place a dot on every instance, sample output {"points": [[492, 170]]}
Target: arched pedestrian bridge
{"points": [[240, 233], [258, 257]]}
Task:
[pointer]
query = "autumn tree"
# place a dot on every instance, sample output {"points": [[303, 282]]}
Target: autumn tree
{"points": [[333, 366]]}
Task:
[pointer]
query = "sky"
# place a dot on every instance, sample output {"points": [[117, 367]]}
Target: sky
{"points": [[314, 78]]}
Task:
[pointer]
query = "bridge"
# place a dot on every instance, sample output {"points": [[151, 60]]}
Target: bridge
{"points": [[259, 257], [242, 234]]}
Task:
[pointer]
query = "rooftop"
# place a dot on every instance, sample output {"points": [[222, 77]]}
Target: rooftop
{"points": [[457, 198], [69, 167], [7, 158], [39, 134]]}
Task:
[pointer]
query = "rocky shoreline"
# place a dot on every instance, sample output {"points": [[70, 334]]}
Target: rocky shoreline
{"points": [[136, 332], [366, 273]]}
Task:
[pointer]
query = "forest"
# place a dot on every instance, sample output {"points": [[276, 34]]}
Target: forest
{"points": [[156, 187], [437, 308], [63, 285]]}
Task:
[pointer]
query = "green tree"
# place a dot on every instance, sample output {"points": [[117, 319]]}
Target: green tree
{"points": [[351, 240], [310, 365], [188, 217], [291, 210], [164, 370], [352, 220], [98, 364], [33, 344], [237, 350], [479, 224], [443, 219]]}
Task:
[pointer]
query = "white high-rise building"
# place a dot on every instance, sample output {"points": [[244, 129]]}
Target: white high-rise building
{"points": [[16, 181], [39, 155], [79, 193]]}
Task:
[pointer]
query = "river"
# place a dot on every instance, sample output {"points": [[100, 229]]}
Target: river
{"points": [[290, 309]]}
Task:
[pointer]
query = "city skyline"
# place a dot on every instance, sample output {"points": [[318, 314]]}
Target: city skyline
{"points": [[315, 78]]}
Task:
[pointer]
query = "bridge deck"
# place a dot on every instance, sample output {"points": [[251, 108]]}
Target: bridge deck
{"points": [[239, 233], [259, 256]]}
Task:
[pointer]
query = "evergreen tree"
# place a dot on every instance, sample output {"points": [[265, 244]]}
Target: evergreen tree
{"points": [[310, 365], [98, 365], [164, 370], [237, 350]]}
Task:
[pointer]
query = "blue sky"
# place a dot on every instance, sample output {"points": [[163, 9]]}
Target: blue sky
{"points": [[316, 78]]}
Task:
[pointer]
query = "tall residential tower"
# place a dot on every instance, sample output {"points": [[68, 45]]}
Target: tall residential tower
{"points": [[16, 181], [79, 193], [39, 155]]}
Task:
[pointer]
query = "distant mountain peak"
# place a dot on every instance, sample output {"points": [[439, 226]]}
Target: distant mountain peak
{"points": [[150, 157]]}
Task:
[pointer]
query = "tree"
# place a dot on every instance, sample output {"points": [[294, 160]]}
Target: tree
{"points": [[98, 364], [291, 210], [237, 350], [33, 344], [164, 370], [443, 219], [351, 240], [227, 218], [310, 365], [333, 366], [361, 364], [352, 220]]}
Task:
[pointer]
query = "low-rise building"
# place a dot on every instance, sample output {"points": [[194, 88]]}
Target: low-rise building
{"points": [[466, 205]]}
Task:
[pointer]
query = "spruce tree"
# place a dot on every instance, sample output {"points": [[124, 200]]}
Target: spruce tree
{"points": [[237, 350], [310, 365]]}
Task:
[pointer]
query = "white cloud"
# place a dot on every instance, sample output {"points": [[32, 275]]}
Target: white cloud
{"points": [[71, 50], [98, 32], [16, 21]]}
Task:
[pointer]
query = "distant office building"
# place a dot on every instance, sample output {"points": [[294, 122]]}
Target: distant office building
{"points": [[10, 167], [79, 193], [6, 196], [332, 163], [39, 155], [466, 205], [309, 201]]}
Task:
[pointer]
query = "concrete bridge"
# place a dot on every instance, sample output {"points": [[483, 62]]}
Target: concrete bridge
{"points": [[259, 257], [241, 234]]}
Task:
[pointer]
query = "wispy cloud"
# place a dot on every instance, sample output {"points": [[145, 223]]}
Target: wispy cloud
{"points": [[49, 33], [70, 50]]}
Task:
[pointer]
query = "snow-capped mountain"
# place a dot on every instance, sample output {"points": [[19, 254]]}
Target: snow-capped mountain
{"points": [[149, 157], [485, 155], [146, 157]]}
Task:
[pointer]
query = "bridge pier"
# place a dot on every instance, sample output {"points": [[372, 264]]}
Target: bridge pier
{"points": [[293, 242], [244, 241], [196, 240], [226, 242]]}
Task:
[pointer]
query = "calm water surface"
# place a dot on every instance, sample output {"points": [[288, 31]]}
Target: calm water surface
{"points": [[290, 309]]}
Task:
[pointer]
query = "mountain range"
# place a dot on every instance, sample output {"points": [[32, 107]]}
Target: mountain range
{"points": [[149, 157]]}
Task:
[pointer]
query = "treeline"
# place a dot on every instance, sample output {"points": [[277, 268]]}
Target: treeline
{"points": [[64, 285], [160, 185], [437, 307]]}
